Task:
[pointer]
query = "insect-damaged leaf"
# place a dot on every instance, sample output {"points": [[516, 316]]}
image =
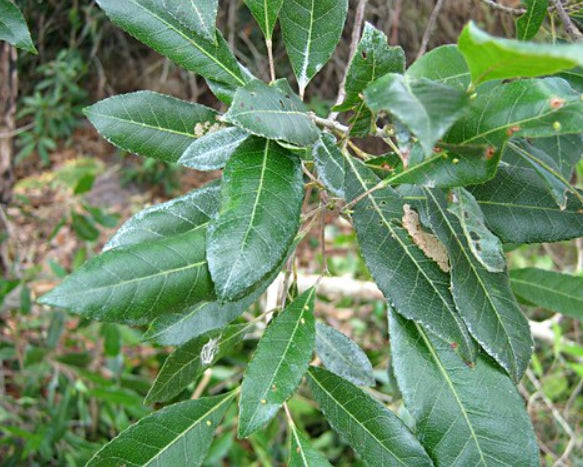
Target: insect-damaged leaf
{"points": [[180, 434], [373, 431], [261, 200], [484, 299], [464, 416], [149, 124], [276, 369]]}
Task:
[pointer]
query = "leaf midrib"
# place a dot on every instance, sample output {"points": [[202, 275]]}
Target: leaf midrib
{"points": [[142, 124], [542, 287]]}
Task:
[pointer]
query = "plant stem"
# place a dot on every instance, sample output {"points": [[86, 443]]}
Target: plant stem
{"points": [[429, 28], [570, 27], [269, 44]]}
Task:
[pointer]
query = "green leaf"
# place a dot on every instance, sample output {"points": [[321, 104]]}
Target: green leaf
{"points": [[373, 58], [167, 275], [465, 416], [198, 16], [557, 292], [273, 112], [484, 299], [265, 13], [149, 124], [519, 208], [492, 58], [484, 245], [527, 25], [444, 64], [180, 434], [311, 31], [330, 164], [276, 369], [186, 214], [212, 151], [427, 108], [574, 77], [83, 227], [302, 454], [186, 363], [374, 432], [261, 200], [409, 279], [13, 27], [341, 355], [152, 23]]}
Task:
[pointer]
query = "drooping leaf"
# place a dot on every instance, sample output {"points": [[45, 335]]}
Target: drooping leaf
{"points": [[542, 157], [448, 166], [343, 356], [13, 28], [330, 164], [276, 369], [464, 416], [444, 64], [187, 362], [149, 124], [491, 58], [261, 199], [152, 23], [519, 208], [409, 279], [527, 25], [198, 16], [178, 216], [374, 432], [273, 112], [427, 108], [373, 58], [561, 293], [265, 13], [311, 31], [137, 283], [484, 245], [302, 454], [212, 151], [180, 434], [484, 299]]}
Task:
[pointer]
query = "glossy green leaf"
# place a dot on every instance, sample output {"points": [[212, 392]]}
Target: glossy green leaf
{"points": [[149, 124], [273, 112], [484, 245], [373, 431], [464, 416], [152, 23], [561, 293], [212, 151], [261, 200], [187, 362], [137, 283], [188, 213], [330, 164], [527, 25], [302, 454], [409, 279], [199, 16], [180, 434], [13, 28], [484, 299], [374, 57], [444, 64], [265, 13], [519, 208], [311, 31], [492, 58], [427, 108], [341, 355], [276, 369]]}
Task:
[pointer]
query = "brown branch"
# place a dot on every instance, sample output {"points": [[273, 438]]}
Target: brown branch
{"points": [[568, 24], [429, 28]]}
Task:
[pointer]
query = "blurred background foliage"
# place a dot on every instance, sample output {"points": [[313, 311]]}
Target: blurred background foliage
{"points": [[67, 385]]}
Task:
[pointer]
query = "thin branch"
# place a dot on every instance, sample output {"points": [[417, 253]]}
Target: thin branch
{"points": [[570, 27], [269, 44], [429, 28], [504, 9], [356, 33], [339, 128]]}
